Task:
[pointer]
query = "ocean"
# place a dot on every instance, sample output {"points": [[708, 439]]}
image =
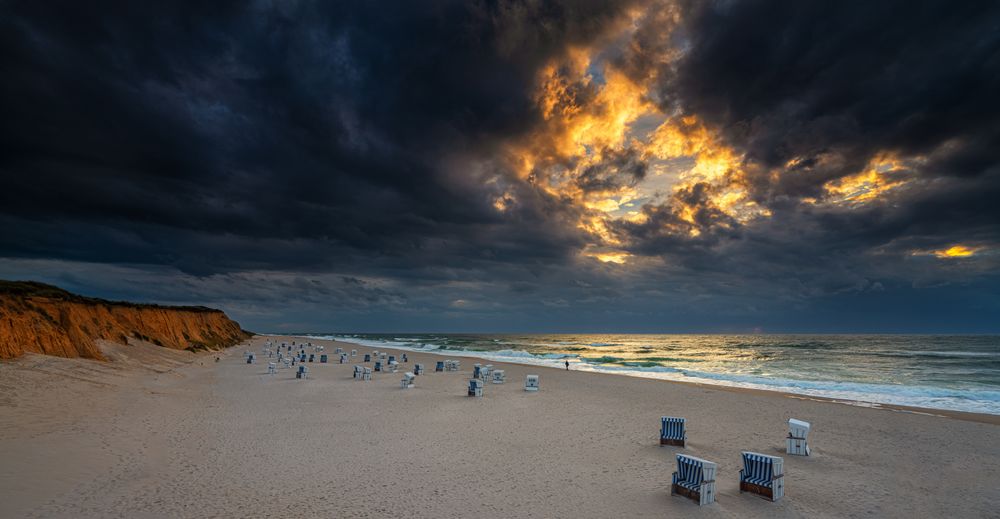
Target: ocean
{"points": [[960, 373]]}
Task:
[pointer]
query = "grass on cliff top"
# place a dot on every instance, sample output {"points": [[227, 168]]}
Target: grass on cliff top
{"points": [[36, 289]]}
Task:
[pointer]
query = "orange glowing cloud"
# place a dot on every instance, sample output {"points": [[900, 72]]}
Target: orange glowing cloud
{"points": [[956, 251]]}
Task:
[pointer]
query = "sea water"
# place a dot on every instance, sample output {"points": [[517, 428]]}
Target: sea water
{"points": [[959, 373]]}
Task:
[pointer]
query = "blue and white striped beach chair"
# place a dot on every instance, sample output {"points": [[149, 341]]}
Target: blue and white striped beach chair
{"points": [[672, 431], [475, 387], [439, 366], [763, 475], [695, 478]]}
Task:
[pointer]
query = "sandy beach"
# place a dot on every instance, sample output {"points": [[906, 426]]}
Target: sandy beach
{"points": [[161, 433]]}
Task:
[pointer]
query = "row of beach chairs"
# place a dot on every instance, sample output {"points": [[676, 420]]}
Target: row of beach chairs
{"points": [[476, 385], [447, 365], [761, 474]]}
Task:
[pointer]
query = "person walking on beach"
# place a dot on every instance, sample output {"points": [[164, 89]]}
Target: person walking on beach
{"points": [[567, 365]]}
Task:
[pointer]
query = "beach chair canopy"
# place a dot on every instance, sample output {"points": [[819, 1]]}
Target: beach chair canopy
{"points": [[672, 428]]}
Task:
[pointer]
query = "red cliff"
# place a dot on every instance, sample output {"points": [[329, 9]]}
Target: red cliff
{"points": [[40, 318]]}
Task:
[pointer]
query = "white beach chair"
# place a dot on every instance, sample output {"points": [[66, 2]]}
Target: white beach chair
{"points": [[531, 383], [367, 375], [343, 358], [338, 351], [407, 382], [303, 372], [404, 359], [695, 478], [797, 442], [393, 366], [357, 372], [271, 368], [487, 370], [499, 377], [477, 371], [763, 475], [392, 358], [475, 387], [672, 431], [418, 369], [287, 362], [354, 353]]}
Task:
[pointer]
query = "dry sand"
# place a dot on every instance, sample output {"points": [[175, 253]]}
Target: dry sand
{"points": [[158, 433]]}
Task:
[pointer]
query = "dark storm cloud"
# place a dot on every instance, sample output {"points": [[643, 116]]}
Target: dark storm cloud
{"points": [[341, 158], [796, 80], [812, 92], [183, 134], [618, 169]]}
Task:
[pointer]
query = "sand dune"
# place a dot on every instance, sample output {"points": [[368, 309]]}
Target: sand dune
{"points": [[160, 433]]}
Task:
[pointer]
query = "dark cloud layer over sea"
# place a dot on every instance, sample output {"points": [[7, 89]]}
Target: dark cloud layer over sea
{"points": [[510, 166]]}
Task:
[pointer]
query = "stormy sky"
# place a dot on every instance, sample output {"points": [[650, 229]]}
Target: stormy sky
{"points": [[522, 166]]}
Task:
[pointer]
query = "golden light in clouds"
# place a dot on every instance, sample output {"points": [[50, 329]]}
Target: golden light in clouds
{"points": [[956, 251], [594, 114], [869, 184], [617, 258]]}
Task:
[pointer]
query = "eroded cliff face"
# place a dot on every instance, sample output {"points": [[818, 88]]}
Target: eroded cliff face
{"points": [[44, 319]]}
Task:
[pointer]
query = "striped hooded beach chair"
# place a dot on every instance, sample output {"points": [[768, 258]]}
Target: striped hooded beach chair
{"points": [[418, 369], [439, 366], [475, 387], [672, 431], [763, 475], [695, 479]]}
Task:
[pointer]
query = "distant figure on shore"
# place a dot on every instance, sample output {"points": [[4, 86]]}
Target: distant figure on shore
{"points": [[567, 365], [217, 359]]}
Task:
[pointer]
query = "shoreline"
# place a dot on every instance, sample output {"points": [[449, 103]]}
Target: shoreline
{"points": [[992, 419]]}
